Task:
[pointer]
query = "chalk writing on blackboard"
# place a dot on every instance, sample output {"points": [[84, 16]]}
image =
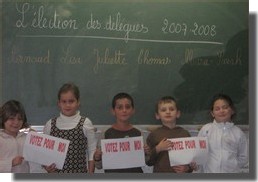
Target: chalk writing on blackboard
{"points": [[190, 50], [115, 23]]}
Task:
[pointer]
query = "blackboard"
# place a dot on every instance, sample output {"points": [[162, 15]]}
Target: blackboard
{"points": [[187, 49]]}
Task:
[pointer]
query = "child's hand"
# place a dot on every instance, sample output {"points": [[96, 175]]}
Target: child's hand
{"points": [[194, 166], [17, 160], [181, 168], [97, 155], [51, 168], [146, 149], [164, 145]]}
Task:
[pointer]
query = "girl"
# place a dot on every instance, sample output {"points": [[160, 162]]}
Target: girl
{"points": [[13, 119], [228, 147], [72, 126]]}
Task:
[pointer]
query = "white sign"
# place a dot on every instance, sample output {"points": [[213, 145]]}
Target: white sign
{"points": [[45, 149], [122, 153], [187, 150]]}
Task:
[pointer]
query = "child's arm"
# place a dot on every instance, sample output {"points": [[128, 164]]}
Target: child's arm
{"points": [[242, 153], [17, 160], [7, 163], [98, 159], [47, 128], [89, 132], [91, 167], [147, 152], [163, 145]]}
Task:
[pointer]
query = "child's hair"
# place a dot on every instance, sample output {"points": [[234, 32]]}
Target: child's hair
{"points": [[122, 95], [165, 99], [226, 98], [69, 87], [12, 108]]}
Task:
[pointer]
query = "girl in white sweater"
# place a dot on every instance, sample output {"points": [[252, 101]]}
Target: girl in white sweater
{"points": [[228, 146], [13, 119]]}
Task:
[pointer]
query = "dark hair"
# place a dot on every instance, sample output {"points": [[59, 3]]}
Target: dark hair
{"points": [[226, 98], [69, 87], [122, 95], [12, 108], [165, 99]]}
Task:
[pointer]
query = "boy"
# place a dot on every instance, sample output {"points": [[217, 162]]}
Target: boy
{"points": [[168, 112], [123, 110]]}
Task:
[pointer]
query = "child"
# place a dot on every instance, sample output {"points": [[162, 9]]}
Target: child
{"points": [[13, 119], [228, 147], [122, 109], [167, 111], [72, 126]]}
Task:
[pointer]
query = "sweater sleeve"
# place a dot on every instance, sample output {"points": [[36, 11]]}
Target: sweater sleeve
{"points": [[242, 151], [47, 128], [153, 154], [5, 165], [202, 133], [89, 132]]}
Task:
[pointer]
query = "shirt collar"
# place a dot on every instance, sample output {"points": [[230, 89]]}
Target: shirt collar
{"points": [[223, 125], [69, 118], [176, 127]]}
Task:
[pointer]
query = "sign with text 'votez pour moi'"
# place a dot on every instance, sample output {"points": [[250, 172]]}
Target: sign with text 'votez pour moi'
{"points": [[187, 150], [122, 153], [45, 149]]}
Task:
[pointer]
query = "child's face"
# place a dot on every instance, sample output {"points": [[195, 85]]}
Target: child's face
{"points": [[167, 112], [68, 104], [123, 110], [13, 125], [222, 112]]}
